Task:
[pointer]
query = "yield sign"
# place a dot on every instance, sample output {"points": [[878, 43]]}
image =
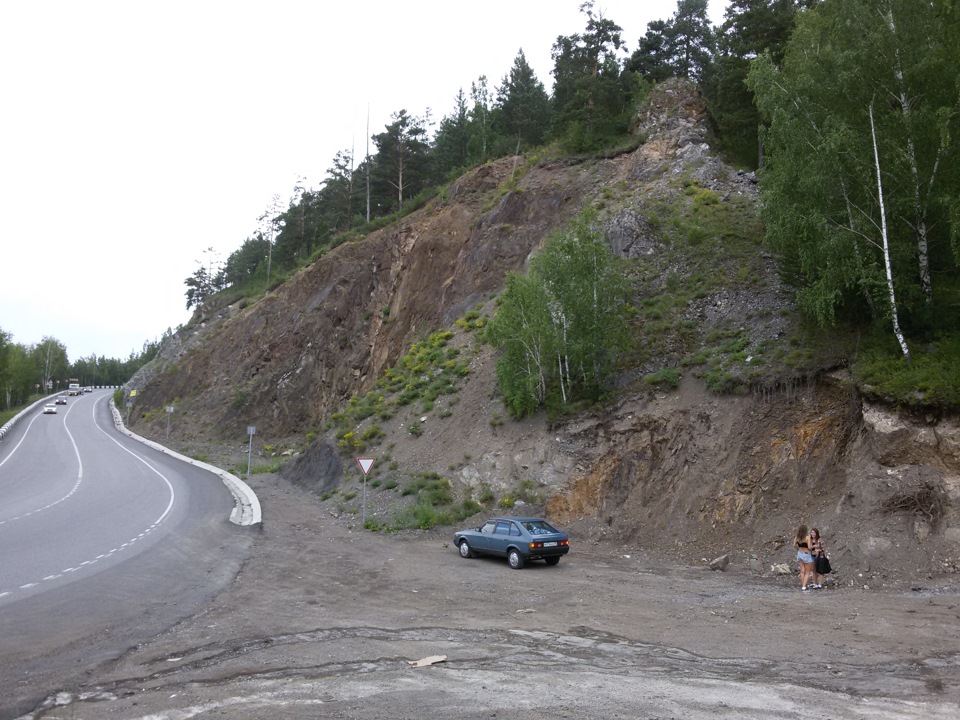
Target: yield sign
{"points": [[365, 464]]}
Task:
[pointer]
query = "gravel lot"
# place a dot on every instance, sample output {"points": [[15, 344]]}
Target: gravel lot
{"points": [[324, 619]]}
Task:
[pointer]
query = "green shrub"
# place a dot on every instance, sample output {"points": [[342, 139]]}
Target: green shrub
{"points": [[265, 469], [351, 442], [487, 495], [930, 379], [374, 432], [666, 376]]}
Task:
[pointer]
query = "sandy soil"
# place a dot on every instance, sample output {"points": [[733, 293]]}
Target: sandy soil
{"points": [[324, 619]]}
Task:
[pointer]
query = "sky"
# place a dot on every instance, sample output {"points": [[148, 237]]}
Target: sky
{"points": [[135, 135]]}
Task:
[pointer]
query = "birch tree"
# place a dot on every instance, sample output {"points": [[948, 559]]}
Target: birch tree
{"points": [[523, 332], [562, 326], [821, 190], [895, 315]]}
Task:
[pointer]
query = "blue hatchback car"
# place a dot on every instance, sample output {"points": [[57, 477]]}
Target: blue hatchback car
{"points": [[519, 539]]}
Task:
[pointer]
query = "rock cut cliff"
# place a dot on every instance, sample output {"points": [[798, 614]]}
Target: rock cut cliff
{"points": [[685, 472]]}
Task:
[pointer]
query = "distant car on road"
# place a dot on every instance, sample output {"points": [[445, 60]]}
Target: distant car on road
{"points": [[61, 400], [49, 409], [519, 539]]}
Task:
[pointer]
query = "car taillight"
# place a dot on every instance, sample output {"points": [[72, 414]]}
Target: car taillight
{"points": [[558, 543]]}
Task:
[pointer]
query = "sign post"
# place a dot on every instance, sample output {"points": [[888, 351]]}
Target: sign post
{"points": [[365, 465], [169, 412], [251, 431]]}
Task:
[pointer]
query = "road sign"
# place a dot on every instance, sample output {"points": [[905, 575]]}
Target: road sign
{"points": [[366, 464], [251, 429]]}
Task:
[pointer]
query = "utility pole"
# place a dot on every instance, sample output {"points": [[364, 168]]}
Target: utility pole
{"points": [[368, 162]]}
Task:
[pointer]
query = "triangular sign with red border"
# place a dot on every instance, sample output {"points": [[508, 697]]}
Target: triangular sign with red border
{"points": [[366, 464]]}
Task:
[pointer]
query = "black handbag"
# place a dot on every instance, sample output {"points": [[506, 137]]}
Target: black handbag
{"points": [[822, 565]]}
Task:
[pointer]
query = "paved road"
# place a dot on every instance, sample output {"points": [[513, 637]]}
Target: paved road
{"points": [[103, 543]]}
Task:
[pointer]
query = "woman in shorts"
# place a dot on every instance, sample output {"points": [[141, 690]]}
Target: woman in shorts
{"points": [[802, 544], [817, 550]]}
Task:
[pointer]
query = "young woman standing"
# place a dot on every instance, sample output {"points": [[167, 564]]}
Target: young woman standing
{"points": [[817, 550], [802, 544]]}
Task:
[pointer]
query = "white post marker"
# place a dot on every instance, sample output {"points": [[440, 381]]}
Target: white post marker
{"points": [[365, 465], [251, 431]]}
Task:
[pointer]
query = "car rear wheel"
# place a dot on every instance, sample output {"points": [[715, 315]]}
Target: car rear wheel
{"points": [[552, 560], [515, 559], [465, 550]]}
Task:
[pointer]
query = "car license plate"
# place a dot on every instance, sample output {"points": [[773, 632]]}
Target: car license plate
{"points": [[550, 544]]}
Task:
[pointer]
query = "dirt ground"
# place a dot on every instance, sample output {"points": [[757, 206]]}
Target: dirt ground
{"points": [[325, 618]]}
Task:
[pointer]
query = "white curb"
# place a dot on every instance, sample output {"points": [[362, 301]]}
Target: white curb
{"points": [[247, 508], [13, 421]]}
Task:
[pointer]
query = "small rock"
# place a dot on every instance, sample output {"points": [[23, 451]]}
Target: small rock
{"points": [[720, 563]]}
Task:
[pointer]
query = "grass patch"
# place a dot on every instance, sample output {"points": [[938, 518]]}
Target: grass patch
{"points": [[930, 379], [265, 469], [669, 377]]}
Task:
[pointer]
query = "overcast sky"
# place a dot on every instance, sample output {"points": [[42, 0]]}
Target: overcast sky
{"points": [[135, 134]]}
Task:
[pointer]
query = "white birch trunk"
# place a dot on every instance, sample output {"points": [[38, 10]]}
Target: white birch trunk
{"points": [[923, 242], [563, 390], [886, 247]]}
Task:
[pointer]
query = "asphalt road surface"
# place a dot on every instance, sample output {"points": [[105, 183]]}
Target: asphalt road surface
{"points": [[103, 544]]}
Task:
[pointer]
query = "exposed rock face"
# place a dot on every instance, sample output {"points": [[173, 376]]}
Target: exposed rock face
{"points": [[686, 472], [300, 352]]}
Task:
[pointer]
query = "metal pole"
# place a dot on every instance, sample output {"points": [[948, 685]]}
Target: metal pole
{"points": [[363, 514], [249, 451]]}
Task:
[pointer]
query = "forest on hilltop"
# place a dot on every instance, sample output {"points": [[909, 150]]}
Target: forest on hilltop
{"points": [[848, 109]]}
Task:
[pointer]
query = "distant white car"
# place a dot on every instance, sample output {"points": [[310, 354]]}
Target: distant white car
{"points": [[49, 409]]}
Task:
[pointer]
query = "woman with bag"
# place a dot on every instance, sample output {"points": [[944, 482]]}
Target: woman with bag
{"points": [[801, 543], [821, 564]]}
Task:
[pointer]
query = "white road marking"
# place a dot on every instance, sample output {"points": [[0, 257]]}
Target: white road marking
{"points": [[163, 516]]}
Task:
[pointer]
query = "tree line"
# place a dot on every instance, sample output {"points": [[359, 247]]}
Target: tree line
{"points": [[860, 114], [597, 85], [43, 368], [848, 109]]}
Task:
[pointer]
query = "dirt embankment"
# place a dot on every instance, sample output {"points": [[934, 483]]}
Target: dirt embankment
{"points": [[687, 473]]}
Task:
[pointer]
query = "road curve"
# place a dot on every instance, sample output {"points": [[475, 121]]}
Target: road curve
{"points": [[104, 543]]}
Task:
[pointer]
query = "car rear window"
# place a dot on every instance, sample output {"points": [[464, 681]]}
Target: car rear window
{"points": [[539, 527]]}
